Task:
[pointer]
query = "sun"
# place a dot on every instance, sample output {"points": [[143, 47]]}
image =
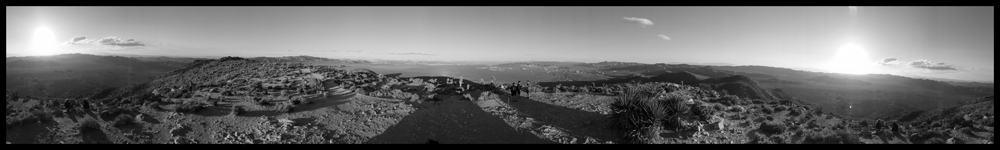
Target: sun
{"points": [[43, 42], [850, 59]]}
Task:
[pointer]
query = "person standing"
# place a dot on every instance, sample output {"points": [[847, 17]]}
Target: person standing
{"points": [[518, 87], [528, 88], [513, 89]]}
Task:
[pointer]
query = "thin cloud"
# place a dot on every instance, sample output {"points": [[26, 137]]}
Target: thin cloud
{"points": [[77, 39], [926, 64], [115, 41], [664, 37], [411, 53], [919, 64], [889, 60], [111, 41], [643, 22]]}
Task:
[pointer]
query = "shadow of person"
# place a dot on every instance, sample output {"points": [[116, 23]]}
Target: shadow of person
{"points": [[576, 122], [454, 121]]}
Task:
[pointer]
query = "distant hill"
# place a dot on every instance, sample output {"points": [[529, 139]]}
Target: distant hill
{"points": [[75, 75], [779, 81], [704, 64], [202, 72], [611, 64], [950, 117], [773, 72], [839, 81], [739, 85], [734, 85], [679, 78], [307, 59], [656, 69], [538, 64]]}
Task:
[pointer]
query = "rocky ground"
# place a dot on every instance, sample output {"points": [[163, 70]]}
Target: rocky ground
{"points": [[213, 103]]}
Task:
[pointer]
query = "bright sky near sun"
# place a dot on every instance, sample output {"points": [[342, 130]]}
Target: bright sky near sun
{"points": [[939, 42]]}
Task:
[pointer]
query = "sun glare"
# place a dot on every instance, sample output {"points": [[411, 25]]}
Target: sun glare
{"points": [[850, 59], [43, 42]]}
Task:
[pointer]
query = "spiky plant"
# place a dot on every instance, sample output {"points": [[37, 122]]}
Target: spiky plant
{"points": [[639, 111]]}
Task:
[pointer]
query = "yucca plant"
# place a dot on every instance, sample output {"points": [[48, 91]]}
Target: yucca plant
{"points": [[639, 111]]}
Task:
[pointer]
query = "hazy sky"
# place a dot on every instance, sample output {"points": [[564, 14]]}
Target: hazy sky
{"points": [[793, 37]]}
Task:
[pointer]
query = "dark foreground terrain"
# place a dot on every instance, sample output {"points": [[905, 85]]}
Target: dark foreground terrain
{"points": [[251, 101]]}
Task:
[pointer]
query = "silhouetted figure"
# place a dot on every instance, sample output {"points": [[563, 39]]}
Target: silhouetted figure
{"points": [[518, 88], [510, 89], [86, 105], [67, 105], [432, 142], [436, 100], [878, 126]]}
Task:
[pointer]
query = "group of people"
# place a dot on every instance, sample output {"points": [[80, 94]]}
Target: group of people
{"points": [[515, 89]]}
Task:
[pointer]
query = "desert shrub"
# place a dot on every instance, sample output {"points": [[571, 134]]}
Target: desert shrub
{"points": [[830, 137], [937, 125], [115, 111], [190, 107], [262, 102], [638, 110], [737, 109], [773, 127], [796, 112], [22, 117], [758, 138], [704, 111], [780, 108], [13, 97], [42, 116], [719, 107], [767, 110], [123, 120], [935, 141], [729, 100], [238, 110], [287, 109], [88, 125]]}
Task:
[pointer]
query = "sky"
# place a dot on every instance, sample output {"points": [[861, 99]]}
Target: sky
{"points": [[936, 42]]}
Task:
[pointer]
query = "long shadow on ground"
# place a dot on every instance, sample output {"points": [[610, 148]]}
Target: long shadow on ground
{"points": [[574, 121], [317, 103], [454, 122]]}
